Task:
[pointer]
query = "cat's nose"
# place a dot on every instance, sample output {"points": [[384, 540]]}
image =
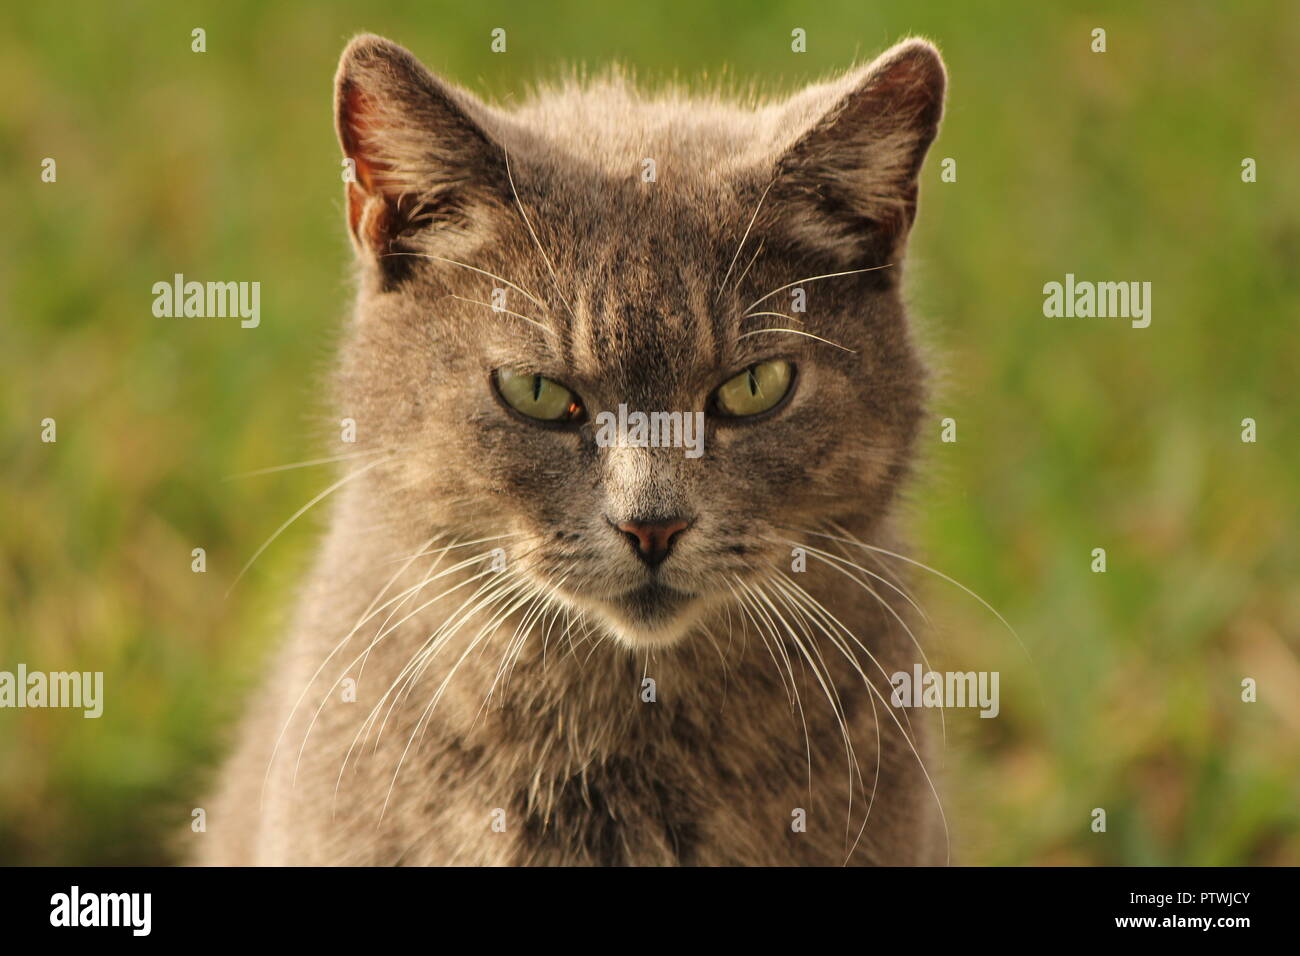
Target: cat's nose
{"points": [[652, 539]]}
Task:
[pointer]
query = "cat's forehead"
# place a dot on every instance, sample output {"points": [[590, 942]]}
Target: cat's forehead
{"points": [[641, 313], [639, 283]]}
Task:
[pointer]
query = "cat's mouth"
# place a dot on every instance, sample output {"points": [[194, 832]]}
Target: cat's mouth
{"points": [[654, 601], [651, 614]]}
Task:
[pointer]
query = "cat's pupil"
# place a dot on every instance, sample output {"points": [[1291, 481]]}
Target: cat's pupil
{"points": [[537, 388], [753, 382]]}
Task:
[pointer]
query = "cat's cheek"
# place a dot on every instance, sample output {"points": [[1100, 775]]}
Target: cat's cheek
{"points": [[531, 465]]}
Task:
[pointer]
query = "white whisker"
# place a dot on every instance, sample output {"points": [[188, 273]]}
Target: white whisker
{"points": [[797, 332], [818, 608], [298, 514], [925, 567], [537, 242], [723, 284], [501, 311], [752, 260], [303, 464], [829, 275], [491, 275]]}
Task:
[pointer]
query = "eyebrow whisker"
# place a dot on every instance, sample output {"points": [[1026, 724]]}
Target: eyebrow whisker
{"points": [[489, 305], [797, 332], [537, 242], [779, 315], [752, 259], [829, 275], [743, 239], [464, 265]]}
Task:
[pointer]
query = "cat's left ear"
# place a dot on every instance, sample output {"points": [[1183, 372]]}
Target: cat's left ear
{"points": [[847, 184], [422, 158]]}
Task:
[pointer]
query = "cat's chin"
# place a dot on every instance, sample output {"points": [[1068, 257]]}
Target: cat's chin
{"points": [[653, 615]]}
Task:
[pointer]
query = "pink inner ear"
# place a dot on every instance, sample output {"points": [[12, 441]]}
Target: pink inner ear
{"points": [[354, 107]]}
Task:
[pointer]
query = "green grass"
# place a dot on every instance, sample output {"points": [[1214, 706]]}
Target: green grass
{"points": [[1073, 434]]}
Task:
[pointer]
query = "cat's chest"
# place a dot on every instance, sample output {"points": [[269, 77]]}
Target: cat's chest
{"points": [[671, 792]]}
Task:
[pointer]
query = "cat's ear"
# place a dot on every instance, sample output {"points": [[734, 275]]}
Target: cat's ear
{"points": [[422, 161], [847, 184]]}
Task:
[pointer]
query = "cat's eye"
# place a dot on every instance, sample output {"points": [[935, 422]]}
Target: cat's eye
{"points": [[757, 389], [537, 396]]}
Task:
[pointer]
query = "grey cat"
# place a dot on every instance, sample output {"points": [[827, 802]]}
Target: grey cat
{"points": [[522, 644]]}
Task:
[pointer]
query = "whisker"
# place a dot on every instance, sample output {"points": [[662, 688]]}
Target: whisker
{"points": [[723, 284], [501, 585], [485, 631], [414, 667], [466, 544], [789, 599], [822, 613], [886, 570], [829, 275], [814, 604], [596, 644], [491, 275], [303, 464], [779, 315], [429, 578], [757, 592], [374, 712], [384, 631], [832, 693], [796, 332], [747, 613], [298, 514], [752, 260], [370, 611], [722, 662], [827, 559], [501, 311], [925, 567], [750, 608], [537, 242], [541, 599]]}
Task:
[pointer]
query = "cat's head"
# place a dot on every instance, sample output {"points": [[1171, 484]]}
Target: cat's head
{"points": [[526, 271]]}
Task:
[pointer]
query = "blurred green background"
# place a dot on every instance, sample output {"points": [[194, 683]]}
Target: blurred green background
{"points": [[1072, 434]]}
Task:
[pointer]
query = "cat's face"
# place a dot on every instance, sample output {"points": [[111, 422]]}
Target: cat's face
{"points": [[614, 289]]}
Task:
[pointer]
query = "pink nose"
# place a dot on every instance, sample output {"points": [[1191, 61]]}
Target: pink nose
{"points": [[653, 539]]}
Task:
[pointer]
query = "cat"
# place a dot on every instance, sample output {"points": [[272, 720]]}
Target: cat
{"points": [[519, 646]]}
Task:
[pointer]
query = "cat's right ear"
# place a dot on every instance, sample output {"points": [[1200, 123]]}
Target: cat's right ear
{"points": [[421, 161], [846, 186]]}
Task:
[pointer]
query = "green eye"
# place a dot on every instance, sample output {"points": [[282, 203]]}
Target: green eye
{"points": [[757, 389], [538, 397]]}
